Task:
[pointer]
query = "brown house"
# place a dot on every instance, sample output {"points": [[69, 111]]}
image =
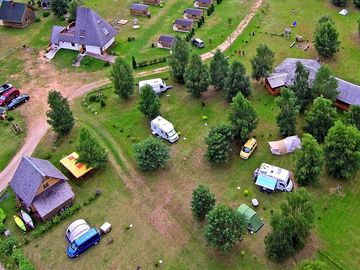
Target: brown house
{"points": [[41, 188], [16, 15], [152, 2], [183, 25], [203, 3], [193, 14], [139, 10], [165, 42]]}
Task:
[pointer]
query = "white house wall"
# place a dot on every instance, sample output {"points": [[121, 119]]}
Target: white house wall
{"points": [[69, 46]]}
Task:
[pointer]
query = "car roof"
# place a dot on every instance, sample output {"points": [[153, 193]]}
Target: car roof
{"points": [[250, 142], [10, 91], [198, 40]]}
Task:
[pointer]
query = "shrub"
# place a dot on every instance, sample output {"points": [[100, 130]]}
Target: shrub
{"points": [[37, 20], [61, 18], [7, 245], [246, 192], [46, 14], [10, 117]]}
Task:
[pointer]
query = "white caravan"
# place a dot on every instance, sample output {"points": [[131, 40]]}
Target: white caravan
{"points": [[164, 129], [158, 85], [271, 178]]}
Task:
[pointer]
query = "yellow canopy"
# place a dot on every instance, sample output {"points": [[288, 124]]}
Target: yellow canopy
{"points": [[77, 169]]}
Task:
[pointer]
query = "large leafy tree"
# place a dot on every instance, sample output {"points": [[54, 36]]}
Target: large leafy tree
{"points": [[237, 81], [224, 227], [301, 86], [262, 63], [59, 7], [179, 58], [60, 116], [151, 154], [196, 76], [122, 77], [357, 4], [325, 84], [219, 143], [149, 103], [291, 227], [90, 151], [320, 118], [73, 5], [326, 38], [342, 150], [353, 116], [243, 117], [219, 67], [286, 119], [202, 202], [309, 161], [339, 3]]}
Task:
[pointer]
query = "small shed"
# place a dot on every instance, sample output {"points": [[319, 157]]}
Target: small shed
{"points": [[344, 12], [16, 15], [3, 113], [183, 25], [165, 42], [203, 3], [251, 217], [193, 14], [152, 2], [77, 169], [139, 10], [285, 146]]}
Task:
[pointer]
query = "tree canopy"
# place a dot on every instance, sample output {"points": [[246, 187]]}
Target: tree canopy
{"points": [[286, 119], [122, 77], [179, 58], [73, 5], [237, 81], [59, 7], [202, 202], [357, 4], [325, 84], [340, 3], [353, 116], [301, 87], [149, 103], [262, 63], [326, 38], [196, 76], [219, 67]]}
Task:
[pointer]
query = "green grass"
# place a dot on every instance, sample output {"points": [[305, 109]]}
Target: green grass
{"points": [[10, 142]]}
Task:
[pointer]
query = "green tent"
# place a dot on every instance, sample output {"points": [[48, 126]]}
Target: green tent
{"points": [[254, 221]]}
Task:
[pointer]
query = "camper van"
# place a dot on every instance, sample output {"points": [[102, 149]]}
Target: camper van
{"points": [[158, 85], [164, 129], [84, 242], [271, 178]]}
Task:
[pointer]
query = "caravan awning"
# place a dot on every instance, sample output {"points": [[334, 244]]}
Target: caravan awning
{"points": [[266, 182]]}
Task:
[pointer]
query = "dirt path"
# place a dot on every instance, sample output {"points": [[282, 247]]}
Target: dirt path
{"points": [[73, 85]]}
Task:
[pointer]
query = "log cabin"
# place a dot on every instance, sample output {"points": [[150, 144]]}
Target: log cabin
{"points": [[16, 15]]}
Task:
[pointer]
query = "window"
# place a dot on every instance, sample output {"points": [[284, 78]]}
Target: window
{"points": [[45, 185], [73, 44], [106, 32]]}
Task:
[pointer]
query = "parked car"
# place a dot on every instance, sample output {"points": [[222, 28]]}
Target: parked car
{"points": [[84, 242], [18, 101], [8, 96], [5, 87], [248, 148], [198, 43]]}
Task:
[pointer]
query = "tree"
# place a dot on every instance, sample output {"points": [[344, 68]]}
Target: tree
{"points": [[219, 142], [149, 103], [325, 84], [237, 81], [224, 227], [179, 58], [243, 117], [90, 151], [353, 116], [196, 76], [262, 63], [59, 7], [357, 4], [286, 118], [202, 202], [151, 154], [301, 86], [320, 118], [219, 67], [73, 5], [122, 77], [326, 38], [60, 117], [291, 227], [342, 150], [309, 161], [312, 265], [339, 3], [133, 61]]}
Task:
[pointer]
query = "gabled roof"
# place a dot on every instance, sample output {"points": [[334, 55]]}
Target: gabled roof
{"points": [[29, 176], [204, 1], [55, 33], [12, 11], [184, 22], [165, 38], [141, 7], [193, 11]]}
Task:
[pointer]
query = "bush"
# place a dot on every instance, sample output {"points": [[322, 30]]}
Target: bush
{"points": [[246, 192], [10, 117], [7, 245], [21, 260], [46, 14], [61, 18], [87, 61], [37, 20]]}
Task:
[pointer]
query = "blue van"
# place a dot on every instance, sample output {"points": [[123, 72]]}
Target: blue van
{"points": [[92, 237]]}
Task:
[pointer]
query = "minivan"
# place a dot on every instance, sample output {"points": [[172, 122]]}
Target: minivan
{"points": [[8, 96], [197, 42], [84, 242]]}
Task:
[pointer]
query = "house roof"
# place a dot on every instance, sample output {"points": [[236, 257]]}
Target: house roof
{"points": [[284, 75], [77, 169], [193, 11], [165, 38], [55, 33], [52, 198], [29, 176], [184, 22], [204, 1], [12, 12], [141, 7]]}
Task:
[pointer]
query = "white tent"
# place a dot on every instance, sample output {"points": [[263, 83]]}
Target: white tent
{"points": [[287, 145], [344, 12], [77, 229]]}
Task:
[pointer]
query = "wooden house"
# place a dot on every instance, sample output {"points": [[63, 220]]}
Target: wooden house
{"points": [[165, 42], [16, 15], [139, 10], [183, 25], [41, 187], [193, 14], [203, 3], [152, 2]]}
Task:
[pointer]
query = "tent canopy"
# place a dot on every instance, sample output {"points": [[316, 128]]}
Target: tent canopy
{"points": [[254, 221], [287, 145], [344, 12], [77, 169]]}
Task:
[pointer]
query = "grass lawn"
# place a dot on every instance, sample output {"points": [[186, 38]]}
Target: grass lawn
{"points": [[10, 142]]}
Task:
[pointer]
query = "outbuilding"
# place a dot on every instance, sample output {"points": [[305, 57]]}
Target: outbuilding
{"points": [[165, 42], [16, 15], [139, 10], [193, 14], [78, 170], [203, 3], [183, 25], [152, 2], [254, 222]]}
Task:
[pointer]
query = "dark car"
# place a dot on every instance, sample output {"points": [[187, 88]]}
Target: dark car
{"points": [[8, 96], [197, 42], [18, 101], [4, 88]]}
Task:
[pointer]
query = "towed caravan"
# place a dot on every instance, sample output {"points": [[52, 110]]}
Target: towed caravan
{"points": [[158, 85], [164, 129]]}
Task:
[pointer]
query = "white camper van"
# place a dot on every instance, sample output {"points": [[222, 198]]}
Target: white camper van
{"points": [[271, 178], [164, 129], [158, 85]]}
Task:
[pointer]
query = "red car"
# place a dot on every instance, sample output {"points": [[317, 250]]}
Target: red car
{"points": [[8, 96]]}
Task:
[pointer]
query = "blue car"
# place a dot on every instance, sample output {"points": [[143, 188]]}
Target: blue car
{"points": [[18, 101], [84, 242]]}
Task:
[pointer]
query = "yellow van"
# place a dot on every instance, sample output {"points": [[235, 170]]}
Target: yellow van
{"points": [[248, 148]]}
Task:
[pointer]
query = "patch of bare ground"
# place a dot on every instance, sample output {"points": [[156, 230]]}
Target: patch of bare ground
{"points": [[355, 37]]}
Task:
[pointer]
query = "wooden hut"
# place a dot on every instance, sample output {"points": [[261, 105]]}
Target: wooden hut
{"points": [[152, 2], [165, 42], [139, 10], [193, 14], [16, 15], [203, 3], [183, 25]]}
